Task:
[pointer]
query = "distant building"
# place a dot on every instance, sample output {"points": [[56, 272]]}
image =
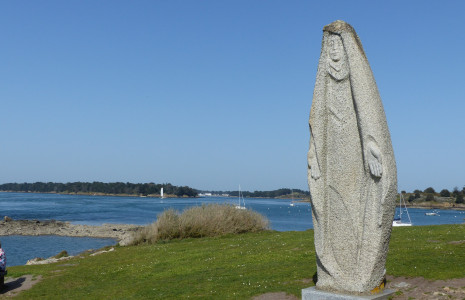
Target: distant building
{"points": [[205, 194]]}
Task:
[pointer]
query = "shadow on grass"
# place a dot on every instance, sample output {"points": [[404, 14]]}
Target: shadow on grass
{"points": [[15, 285], [12, 285]]}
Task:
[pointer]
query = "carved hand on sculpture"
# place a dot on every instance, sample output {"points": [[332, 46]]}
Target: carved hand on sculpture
{"points": [[374, 160]]}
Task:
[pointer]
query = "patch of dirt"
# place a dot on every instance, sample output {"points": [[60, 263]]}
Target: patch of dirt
{"points": [[456, 242], [15, 285], [275, 296], [407, 288], [421, 288]]}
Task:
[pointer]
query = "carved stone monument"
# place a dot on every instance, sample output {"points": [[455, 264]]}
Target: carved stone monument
{"points": [[351, 168]]}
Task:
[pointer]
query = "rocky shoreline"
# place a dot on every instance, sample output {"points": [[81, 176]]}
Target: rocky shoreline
{"points": [[121, 232]]}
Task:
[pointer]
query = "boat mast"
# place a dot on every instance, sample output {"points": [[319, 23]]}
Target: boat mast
{"points": [[239, 195], [400, 205]]}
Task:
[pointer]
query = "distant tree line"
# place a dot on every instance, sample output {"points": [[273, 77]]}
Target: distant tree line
{"points": [[113, 188], [265, 194], [429, 194]]}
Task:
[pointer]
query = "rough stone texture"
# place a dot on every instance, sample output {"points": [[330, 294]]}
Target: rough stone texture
{"points": [[40, 261], [351, 168], [122, 232], [50, 260], [314, 294]]}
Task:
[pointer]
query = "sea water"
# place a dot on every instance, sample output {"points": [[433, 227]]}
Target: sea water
{"points": [[97, 210], [19, 249]]}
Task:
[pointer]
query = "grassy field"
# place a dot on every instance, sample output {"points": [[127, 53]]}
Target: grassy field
{"points": [[233, 266]]}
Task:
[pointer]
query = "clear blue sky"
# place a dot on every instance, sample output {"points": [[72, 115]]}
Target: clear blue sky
{"points": [[213, 94]]}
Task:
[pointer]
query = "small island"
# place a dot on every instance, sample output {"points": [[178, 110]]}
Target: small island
{"points": [[429, 198], [97, 188]]}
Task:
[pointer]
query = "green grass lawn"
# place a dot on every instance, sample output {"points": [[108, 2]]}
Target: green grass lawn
{"points": [[432, 252], [232, 267]]}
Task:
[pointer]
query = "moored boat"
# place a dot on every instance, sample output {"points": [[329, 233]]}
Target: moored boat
{"points": [[432, 213], [241, 198], [398, 222]]}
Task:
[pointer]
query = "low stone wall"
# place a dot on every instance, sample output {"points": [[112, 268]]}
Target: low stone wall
{"points": [[122, 232]]}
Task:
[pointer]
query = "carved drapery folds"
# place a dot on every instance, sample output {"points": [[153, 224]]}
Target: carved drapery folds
{"points": [[351, 167]]}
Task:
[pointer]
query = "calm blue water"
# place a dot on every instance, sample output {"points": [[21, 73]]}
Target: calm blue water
{"points": [[19, 249], [418, 217], [96, 210]]}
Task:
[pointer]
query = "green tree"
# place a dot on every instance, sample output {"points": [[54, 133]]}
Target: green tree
{"points": [[99, 187], [429, 190], [459, 199], [445, 193]]}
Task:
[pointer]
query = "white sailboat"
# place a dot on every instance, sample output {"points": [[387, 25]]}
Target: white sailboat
{"points": [[397, 222], [434, 213], [241, 198], [161, 194]]}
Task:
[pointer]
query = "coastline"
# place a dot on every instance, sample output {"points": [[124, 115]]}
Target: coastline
{"points": [[436, 205], [424, 205], [121, 232], [101, 194]]}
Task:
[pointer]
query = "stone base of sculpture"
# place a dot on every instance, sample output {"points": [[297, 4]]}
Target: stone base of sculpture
{"points": [[312, 293]]}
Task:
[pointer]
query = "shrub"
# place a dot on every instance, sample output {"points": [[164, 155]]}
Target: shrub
{"points": [[429, 197], [63, 253], [201, 221], [459, 199], [411, 198]]}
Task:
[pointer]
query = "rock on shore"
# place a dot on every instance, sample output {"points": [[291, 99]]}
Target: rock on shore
{"points": [[40, 261], [122, 232]]}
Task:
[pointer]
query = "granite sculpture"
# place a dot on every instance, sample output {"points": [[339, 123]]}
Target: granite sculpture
{"points": [[351, 168]]}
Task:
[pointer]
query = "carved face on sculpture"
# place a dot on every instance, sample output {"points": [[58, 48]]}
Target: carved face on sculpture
{"points": [[336, 49]]}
